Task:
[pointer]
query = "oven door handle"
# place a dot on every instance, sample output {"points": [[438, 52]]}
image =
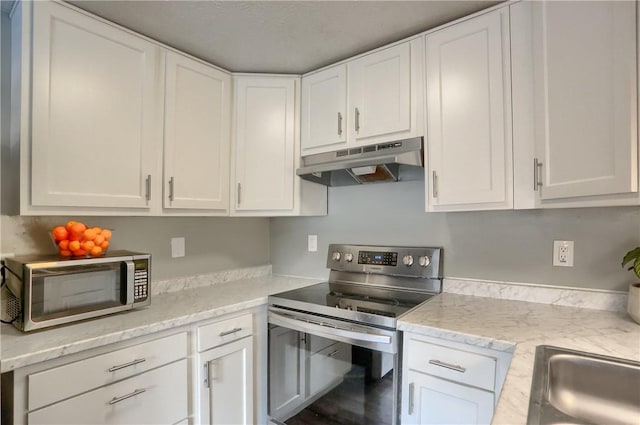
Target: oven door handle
{"points": [[328, 330]]}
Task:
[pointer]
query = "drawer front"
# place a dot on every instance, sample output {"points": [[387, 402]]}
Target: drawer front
{"points": [[66, 381], [450, 363], [224, 331], [155, 397]]}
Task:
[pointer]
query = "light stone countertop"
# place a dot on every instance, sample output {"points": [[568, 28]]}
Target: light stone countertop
{"points": [[168, 310], [501, 324]]}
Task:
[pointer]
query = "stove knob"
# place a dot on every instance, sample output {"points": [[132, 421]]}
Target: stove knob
{"points": [[336, 256], [348, 257], [424, 261], [407, 260]]}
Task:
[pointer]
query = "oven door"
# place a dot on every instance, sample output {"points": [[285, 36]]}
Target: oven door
{"points": [[324, 370], [61, 294]]}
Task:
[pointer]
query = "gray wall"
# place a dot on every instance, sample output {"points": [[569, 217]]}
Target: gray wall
{"points": [[513, 246], [212, 243]]}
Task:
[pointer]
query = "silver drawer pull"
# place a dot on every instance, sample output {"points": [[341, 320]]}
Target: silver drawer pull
{"points": [[122, 366], [124, 397], [448, 366], [333, 354], [232, 331]]}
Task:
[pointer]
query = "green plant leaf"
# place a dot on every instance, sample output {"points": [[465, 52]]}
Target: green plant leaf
{"points": [[632, 255], [636, 267]]}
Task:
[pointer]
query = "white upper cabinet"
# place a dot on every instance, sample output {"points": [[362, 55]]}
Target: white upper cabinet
{"points": [[196, 135], [375, 98], [380, 93], [324, 110], [94, 113], [575, 102], [266, 150], [469, 115], [264, 143]]}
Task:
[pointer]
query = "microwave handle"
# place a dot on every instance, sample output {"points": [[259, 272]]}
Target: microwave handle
{"points": [[131, 268]]}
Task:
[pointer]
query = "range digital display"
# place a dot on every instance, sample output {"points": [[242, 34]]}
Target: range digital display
{"points": [[378, 258]]}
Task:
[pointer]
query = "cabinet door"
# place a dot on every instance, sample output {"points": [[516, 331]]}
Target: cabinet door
{"points": [[95, 102], [227, 396], [431, 400], [380, 93], [327, 367], [324, 107], [197, 135], [286, 371], [155, 397], [468, 115], [585, 76], [264, 143]]}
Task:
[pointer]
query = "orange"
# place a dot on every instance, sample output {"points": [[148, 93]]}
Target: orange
{"points": [[69, 224], [89, 234], [77, 230], [60, 233], [95, 251], [104, 245], [107, 234], [96, 229], [99, 239], [63, 244], [87, 245], [65, 253], [79, 252], [74, 245]]}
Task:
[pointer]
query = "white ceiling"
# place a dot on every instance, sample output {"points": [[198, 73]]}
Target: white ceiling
{"points": [[279, 36]]}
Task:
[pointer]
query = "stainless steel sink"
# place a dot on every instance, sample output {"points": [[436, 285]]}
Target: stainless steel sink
{"points": [[574, 387]]}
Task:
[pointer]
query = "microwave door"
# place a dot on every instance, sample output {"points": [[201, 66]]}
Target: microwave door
{"points": [[65, 294]]}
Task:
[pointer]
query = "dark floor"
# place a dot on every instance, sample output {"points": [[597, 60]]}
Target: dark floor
{"points": [[352, 403]]}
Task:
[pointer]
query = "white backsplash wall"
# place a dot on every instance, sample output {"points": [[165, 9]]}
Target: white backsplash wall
{"points": [[212, 243], [513, 246]]}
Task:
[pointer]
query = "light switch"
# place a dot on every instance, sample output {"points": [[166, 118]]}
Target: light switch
{"points": [[312, 243], [177, 247]]}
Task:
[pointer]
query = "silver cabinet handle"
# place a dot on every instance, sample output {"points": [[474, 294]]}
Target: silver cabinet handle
{"points": [[171, 183], [357, 120], [239, 193], [411, 393], [232, 331], [124, 397], [457, 368], [434, 184], [147, 188], [333, 353], [339, 124], [537, 168], [125, 365]]}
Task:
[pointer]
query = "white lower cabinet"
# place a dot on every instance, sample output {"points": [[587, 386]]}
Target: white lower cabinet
{"points": [[445, 382], [155, 397], [437, 401], [286, 371], [140, 382], [225, 371], [227, 396]]}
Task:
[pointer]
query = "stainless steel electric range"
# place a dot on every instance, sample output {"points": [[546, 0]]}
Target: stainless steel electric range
{"points": [[334, 348]]}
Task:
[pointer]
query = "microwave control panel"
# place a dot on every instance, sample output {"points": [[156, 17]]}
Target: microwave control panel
{"points": [[140, 280]]}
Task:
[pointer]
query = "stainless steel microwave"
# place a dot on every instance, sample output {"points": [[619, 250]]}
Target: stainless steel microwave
{"points": [[48, 291]]}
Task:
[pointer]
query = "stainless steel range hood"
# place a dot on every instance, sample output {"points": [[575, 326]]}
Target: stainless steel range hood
{"points": [[385, 162]]}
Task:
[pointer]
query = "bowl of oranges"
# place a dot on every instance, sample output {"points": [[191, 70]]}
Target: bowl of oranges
{"points": [[76, 239]]}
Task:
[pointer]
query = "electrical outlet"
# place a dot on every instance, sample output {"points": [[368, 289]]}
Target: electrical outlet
{"points": [[563, 253], [177, 247], [312, 243]]}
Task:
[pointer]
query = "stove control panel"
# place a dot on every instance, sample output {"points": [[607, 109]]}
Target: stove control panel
{"points": [[423, 262]]}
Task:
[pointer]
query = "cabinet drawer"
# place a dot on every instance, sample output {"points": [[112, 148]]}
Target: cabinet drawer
{"points": [[450, 363], [318, 343], [66, 381], [224, 331], [155, 397]]}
